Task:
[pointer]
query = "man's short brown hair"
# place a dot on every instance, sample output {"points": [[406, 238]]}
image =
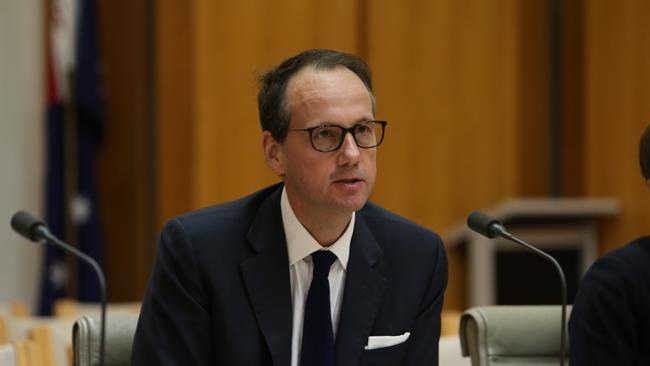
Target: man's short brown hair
{"points": [[271, 99]]}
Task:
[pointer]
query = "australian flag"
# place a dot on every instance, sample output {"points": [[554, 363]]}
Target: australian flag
{"points": [[74, 104]]}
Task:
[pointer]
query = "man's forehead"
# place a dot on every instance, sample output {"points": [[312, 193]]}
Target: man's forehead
{"points": [[310, 75], [310, 80]]}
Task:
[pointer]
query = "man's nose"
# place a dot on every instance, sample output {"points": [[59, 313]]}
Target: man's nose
{"points": [[350, 151]]}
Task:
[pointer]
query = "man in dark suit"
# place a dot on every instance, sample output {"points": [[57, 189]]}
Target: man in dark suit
{"points": [[610, 320], [305, 272]]}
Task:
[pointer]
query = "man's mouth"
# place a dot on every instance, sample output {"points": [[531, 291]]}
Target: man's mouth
{"points": [[348, 181]]}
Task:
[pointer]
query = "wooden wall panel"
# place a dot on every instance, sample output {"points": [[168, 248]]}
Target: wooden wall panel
{"points": [[124, 163], [533, 96], [573, 62], [232, 43], [174, 113], [447, 79], [463, 93], [616, 110]]}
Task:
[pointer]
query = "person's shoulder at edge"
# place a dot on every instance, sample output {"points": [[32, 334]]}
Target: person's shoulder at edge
{"points": [[635, 254], [632, 250], [616, 275]]}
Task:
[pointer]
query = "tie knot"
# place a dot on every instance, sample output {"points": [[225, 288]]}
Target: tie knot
{"points": [[323, 260]]}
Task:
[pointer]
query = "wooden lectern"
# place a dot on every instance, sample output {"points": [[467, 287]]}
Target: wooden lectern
{"points": [[548, 224]]}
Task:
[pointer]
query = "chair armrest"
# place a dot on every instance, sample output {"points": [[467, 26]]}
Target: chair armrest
{"points": [[120, 330], [511, 331]]}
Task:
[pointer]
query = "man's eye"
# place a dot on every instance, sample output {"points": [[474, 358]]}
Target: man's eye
{"points": [[324, 133], [363, 129]]}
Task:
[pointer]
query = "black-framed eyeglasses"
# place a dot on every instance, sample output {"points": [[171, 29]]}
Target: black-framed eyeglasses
{"points": [[326, 138]]}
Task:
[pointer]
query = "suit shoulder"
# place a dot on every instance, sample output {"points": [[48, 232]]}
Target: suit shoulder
{"points": [[374, 212], [223, 219], [620, 272], [636, 252], [629, 258], [388, 224], [231, 211]]}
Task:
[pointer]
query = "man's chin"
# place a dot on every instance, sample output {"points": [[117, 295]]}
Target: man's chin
{"points": [[351, 204]]}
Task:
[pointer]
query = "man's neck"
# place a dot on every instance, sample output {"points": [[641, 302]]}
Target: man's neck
{"points": [[326, 230], [325, 226]]}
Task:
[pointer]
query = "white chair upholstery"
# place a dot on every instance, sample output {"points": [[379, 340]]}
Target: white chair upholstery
{"points": [[512, 335], [120, 329]]}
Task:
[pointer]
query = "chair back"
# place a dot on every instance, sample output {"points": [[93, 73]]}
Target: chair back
{"points": [[512, 335], [120, 330]]}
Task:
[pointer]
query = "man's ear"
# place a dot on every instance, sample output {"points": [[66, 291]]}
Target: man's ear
{"points": [[273, 153]]}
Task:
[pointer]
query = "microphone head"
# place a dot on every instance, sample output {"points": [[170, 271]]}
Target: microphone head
{"points": [[484, 224], [26, 225]]}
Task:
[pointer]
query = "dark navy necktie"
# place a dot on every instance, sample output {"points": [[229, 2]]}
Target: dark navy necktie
{"points": [[317, 334]]}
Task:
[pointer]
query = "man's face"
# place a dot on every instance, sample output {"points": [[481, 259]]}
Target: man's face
{"points": [[336, 182]]}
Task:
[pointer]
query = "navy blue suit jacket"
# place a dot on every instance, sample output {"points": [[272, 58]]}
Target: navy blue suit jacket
{"points": [[220, 294], [610, 319]]}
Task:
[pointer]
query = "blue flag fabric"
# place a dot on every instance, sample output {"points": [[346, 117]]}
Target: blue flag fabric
{"points": [[53, 275], [82, 207], [89, 132]]}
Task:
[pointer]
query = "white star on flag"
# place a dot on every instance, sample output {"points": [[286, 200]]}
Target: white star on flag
{"points": [[57, 274]]}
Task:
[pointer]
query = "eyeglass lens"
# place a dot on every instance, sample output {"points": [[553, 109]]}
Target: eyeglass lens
{"points": [[328, 138]]}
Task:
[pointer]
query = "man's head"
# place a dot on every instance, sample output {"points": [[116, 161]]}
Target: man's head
{"points": [[271, 99], [644, 153], [317, 88]]}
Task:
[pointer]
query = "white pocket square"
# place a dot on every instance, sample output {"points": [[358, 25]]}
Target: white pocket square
{"points": [[375, 342]]}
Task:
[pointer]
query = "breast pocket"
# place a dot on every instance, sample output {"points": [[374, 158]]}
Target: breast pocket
{"points": [[393, 355]]}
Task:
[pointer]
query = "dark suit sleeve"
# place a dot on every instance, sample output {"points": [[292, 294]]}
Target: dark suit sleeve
{"points": [[603, 327], [423, 343], [174, 325]]}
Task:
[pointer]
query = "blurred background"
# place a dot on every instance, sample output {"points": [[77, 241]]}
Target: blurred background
{"points": [[486, 101]]}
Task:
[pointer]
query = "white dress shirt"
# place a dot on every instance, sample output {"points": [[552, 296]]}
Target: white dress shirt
{"points": [[300, 245]]}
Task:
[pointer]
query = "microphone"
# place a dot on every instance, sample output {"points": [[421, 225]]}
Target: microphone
{"points": [[492, 228], [36, 230], [28, 226]]}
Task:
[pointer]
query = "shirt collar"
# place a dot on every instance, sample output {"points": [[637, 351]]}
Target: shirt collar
{"points": [[301, 244]]}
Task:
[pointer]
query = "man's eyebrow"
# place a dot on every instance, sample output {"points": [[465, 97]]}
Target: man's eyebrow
{"points": [[329, 123]]}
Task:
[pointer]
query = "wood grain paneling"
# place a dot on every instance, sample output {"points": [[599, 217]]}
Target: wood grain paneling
{"points": [[125, 161], [616, 110], [447, 79], [465, 95], [573, 56], [174, 114], [232, 43]]}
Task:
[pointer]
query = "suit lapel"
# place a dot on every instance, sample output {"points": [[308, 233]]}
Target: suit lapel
{"points": [[364, 289], [266, 277]]}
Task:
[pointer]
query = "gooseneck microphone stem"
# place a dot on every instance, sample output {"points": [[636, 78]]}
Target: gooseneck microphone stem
{"points": [[35, 230], [563, 295], [491, 228], [100, 277]]}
